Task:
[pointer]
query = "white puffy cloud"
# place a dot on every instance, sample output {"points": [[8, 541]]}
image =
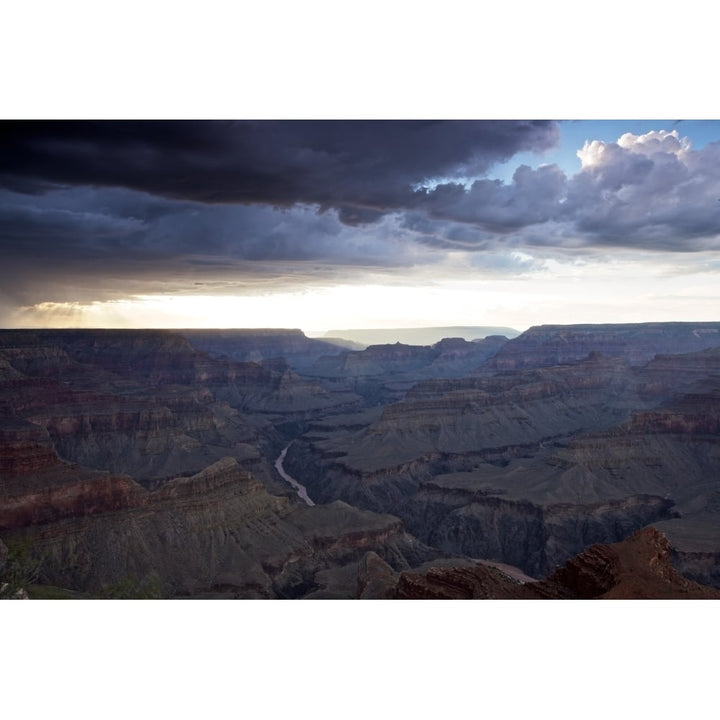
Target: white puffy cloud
{"points": [[650, 190], [656, 141]]}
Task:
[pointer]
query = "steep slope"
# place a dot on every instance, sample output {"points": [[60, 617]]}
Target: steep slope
{"points": [[637, 568], [148, 404], [217, 533], [636, 344], [449, 357], [530, 467], [241, 345], [483, 417]]}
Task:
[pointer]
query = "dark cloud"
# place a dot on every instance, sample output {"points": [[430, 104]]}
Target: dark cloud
{"points": [[360, 167], [131, 242], [534, 196]]}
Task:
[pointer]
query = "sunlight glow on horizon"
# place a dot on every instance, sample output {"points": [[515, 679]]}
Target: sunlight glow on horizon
{"points": [[560, 293]]}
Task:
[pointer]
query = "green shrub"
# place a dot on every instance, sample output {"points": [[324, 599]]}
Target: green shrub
{"points": [[18, 568]]}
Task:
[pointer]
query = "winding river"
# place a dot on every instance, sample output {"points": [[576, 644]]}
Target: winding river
{"points": [[301, 491]]}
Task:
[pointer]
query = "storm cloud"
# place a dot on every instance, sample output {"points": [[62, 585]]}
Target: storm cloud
{"points": [[132, 242], [362, 168], [100, 210]]}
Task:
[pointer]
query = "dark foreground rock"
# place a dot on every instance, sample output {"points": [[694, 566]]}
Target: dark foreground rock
{"points": [[637, 568]]}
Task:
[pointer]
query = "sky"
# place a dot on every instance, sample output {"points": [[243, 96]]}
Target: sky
{"points": [[324, 224]]}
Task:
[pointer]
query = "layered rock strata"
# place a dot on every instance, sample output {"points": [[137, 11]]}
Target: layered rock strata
{"points": [[257, 346], [451, 357], [637, 568], [531, 467], [635, 343], [146, 403], [217, 533]]}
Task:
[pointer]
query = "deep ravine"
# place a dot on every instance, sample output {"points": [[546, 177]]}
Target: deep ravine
{"points": [[301, 491]]}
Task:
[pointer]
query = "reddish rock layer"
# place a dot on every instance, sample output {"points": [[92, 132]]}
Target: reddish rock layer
{"points": [[24, 448], [637, 568]]}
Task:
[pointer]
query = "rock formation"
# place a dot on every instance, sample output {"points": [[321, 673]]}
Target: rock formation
{"points": [[217, 533], [419, 336], [635, 343], [451, 357], [532, 466], [256, 346], [637, 568]]}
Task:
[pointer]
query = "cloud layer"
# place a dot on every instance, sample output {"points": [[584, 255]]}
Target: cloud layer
{"points": [[102, 210], [360, 167]]}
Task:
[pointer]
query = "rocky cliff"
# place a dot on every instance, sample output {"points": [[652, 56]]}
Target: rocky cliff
{"points": [[532, 466], [450, 357], [24, 448], [156, 358], [636, 344], [484, 417], [217, 533], [637, 568], [259, 345], [147, 403]]}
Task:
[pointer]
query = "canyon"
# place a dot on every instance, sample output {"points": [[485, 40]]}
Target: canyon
{"points": [[266, 464]]}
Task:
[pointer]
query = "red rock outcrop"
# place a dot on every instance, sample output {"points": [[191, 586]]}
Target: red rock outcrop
{"points": [[462, 583], [70, 492], [637, 568], [36, 486], [692, 414], [24, 448]]}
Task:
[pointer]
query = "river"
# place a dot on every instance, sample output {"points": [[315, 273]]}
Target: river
{"points": [[301, 491]]}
